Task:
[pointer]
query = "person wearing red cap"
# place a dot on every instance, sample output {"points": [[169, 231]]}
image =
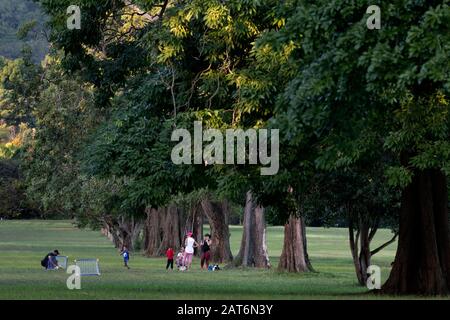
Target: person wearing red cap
{"points": [[190, 244]]}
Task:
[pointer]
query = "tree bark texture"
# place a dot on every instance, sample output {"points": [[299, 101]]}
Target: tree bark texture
{"points": [[294, 257], [217, 213], [422, 262], [253, 251]]}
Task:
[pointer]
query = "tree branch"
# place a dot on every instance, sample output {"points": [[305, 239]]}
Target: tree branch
{"points": [[375, 251]]}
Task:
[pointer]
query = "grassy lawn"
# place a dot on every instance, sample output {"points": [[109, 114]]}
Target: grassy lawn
{"points": [[24, 243]]}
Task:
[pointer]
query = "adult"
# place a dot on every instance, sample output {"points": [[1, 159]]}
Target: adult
{"points": [[49, 261], [205, 246], [189, 244]]}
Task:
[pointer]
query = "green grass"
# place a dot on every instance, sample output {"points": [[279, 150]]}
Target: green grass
{"points": [[24, 243]]}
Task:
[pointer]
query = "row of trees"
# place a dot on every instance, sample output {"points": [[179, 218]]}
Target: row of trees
{"points": [[363, 118]]}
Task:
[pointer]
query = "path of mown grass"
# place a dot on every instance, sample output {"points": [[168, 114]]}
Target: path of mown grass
{"points": [[23, 244]]}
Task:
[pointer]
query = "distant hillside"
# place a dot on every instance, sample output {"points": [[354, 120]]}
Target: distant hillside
{"points": [[13, 15]]}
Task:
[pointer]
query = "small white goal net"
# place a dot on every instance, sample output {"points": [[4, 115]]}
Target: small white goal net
{"points": [[62, 261], [88, 267]]}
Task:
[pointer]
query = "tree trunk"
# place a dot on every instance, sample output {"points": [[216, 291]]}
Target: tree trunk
{"points": [[152, 236], [422, 262], [360, 244], [122, 230], [305, 245], [217, 213], [110, 232], [129, 231], [360, 249], [164, 228], [112, 228], [294, 257], [171, 229], [253, 251], [194, 223], [13, 130]]}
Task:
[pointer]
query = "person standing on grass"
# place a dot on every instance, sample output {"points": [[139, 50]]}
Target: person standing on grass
{"points": [[126, 256], [169, 255], [190, 244], [205, 246]]}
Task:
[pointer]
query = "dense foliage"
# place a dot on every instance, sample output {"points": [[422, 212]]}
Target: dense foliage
{"points": [[22, 23], [361, 112]]}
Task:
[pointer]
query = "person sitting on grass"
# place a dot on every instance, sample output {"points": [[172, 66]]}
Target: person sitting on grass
{"points": [[169, 255], [126, 256], [49, 262]]}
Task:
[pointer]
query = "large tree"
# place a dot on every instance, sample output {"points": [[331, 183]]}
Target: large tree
{"points": [[355, 84], [253, 251], [335, 88], [50, 156], [20, 86], [178, 65]]}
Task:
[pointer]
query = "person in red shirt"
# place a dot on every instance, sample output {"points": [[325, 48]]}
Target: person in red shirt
{"points": [[169, 255]]}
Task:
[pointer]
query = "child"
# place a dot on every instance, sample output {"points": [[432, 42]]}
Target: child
{"points": [[126, 256], [169, 255], [180, 258]]}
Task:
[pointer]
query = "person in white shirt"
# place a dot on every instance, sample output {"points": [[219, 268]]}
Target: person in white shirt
{"points": [[190, 244], [180, 258]]}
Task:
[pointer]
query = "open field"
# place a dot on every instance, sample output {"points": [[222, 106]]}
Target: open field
{"points": [[24, 243]]}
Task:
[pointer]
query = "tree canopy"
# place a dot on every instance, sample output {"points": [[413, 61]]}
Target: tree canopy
{"points": [[362, 114]]}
